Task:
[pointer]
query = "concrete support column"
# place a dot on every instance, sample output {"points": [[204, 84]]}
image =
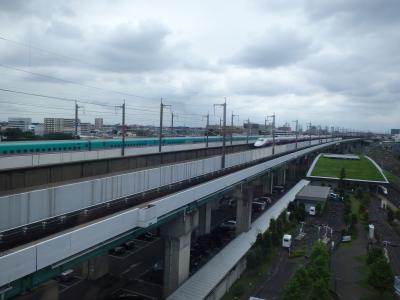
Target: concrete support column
{"points": [[95, 268], [266, 184], [281, 176], [177, 235], [205, 219], [292, 171], [46, 291], [271, 183], [244, 197]]}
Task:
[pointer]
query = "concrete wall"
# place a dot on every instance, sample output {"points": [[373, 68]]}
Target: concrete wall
{"points": [[41, 175], [228, 281]]}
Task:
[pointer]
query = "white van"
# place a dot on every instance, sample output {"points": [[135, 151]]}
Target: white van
{"points": [[311, 211], [287, 241]]}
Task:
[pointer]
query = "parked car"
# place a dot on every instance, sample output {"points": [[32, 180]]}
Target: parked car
{"points": [[229, 225], [66, 276], [129, 245], [118, 251], [258, 205]]}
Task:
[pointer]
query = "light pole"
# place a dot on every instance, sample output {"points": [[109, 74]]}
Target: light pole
{"points": [[223, 133], [309, 131]]}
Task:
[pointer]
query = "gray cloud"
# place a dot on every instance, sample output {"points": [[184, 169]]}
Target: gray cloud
{"points": [[276, 49], [321, 61]]}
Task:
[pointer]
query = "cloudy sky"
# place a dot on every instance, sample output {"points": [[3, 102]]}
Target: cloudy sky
{"points": [[334, 63]]}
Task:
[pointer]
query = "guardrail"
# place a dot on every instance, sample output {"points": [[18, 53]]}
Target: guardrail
{"points": [[37, 256]]}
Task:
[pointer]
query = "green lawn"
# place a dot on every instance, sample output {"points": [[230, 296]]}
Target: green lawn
{"points": [[362, 169], [393, 179]]}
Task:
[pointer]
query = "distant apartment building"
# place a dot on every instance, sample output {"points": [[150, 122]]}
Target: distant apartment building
{"points": [[85, 128], [98, 123], [394, 131], [19, 123], [60, 125]]}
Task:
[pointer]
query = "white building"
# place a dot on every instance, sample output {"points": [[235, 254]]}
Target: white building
{"points": [[19, 123], [52, 125], [98, 123]]}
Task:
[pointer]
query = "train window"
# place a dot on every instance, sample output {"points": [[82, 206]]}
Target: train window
{"points": [[18, 151], [43, 150], [25, 150], [31, 150], [59, 149], [69, 148], [11, 151], [4, 151]]}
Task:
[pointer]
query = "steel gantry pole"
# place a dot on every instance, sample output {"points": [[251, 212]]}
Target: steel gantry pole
{"points": [[162, 105], [207, 125], [248, 131], [272, 131], [297, 131], [309, 131], [77, 107], [123, 130], [172, 123], [223, 134], [233, 116]]}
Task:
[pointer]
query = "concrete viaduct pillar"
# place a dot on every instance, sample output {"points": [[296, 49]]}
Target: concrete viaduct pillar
{"points": [[95, 268], [204, 219], [46, 291], [292, 171], [244, 197], [281, 176], [177, 236]]}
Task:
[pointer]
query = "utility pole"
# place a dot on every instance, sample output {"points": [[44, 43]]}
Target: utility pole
{"points": [[297, 131], [162, 105], [207, 125], [223, 133], [232, 126], [332, 134], [76, 118]]}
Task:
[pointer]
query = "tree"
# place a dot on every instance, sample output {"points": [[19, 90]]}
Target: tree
{"points": [[381, 275], [390, 215], [373, 254], [267, 241], [318, 208], [319, 291], [353, 219], [301, 212]]}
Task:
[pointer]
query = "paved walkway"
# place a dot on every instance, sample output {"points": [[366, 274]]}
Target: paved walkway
{"points": [[346, 267]]}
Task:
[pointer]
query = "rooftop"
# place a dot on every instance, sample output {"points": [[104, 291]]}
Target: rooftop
{"points": [[362, 169], [312, 191]]}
